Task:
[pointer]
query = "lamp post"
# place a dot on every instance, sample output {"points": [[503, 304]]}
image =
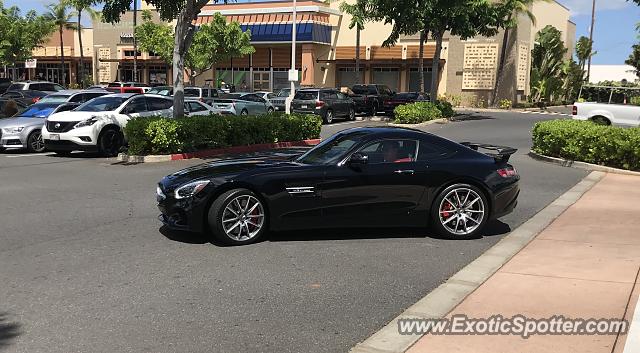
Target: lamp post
{"points": [[135, 41], [293, 75], [593, 22]]}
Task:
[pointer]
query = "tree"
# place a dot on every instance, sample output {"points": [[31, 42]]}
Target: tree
{"points": [[634, 59], [584, 51], [213, 43], [547, 61], [358, 15], [185, 12], [81, 6], [61, 19], [19, 35], [464, 18], [517, 7]]}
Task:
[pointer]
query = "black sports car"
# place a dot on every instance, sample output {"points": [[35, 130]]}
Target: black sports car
{"points": [[362, 177]]}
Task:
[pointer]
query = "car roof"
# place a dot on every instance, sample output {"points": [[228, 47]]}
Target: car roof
{"points": [[122, 95], [382, 130]]}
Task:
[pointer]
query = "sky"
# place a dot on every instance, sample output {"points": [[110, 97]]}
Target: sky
{"points": [[614, 33]]}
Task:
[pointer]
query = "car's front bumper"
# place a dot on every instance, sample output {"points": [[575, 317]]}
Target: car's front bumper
{"points": [[186, 214], [13, 140], [80, 139]]}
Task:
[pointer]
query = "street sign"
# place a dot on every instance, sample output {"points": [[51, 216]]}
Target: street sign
{"points": [[30, 63], [293, 75]]}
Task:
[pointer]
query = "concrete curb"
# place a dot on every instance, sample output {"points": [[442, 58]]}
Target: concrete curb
{"points": [[373, 118], [426, 123], [580, 165], [123, 157], [447, 296]]}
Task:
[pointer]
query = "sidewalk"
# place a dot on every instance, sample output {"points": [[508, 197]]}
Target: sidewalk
{"points": [[584, 265]]}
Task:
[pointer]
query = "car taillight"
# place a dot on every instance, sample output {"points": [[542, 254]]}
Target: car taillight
{"points": [[35, 99], [507, 172], [575, 110], [319, 104]]}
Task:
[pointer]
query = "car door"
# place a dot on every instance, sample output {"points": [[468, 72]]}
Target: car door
{"points": [[384, 191], [136, 107], [157, 106], [330, 99], [345, 103]]}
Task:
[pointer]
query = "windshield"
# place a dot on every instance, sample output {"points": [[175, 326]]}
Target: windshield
{"points": [[331, 150], [115, 84], [163, 91], [406, 96], [16, 87], [102, 104], [39, 110], [192, 92], [284, 93], [306, 95], [55, 98]]}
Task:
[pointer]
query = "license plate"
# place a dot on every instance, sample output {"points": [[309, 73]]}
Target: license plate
{"points": [[54, 137], [304, 106]]}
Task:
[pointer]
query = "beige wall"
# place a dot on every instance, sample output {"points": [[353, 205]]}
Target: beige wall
{"points": [[554, 14], [87, 43]]}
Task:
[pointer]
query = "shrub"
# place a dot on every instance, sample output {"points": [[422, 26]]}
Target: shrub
{"points": [[588, 142], [445, 108], [416, 113], [634, 100], [505, 104], [157, 135]]}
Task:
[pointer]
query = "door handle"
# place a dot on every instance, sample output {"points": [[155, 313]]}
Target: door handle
{"points": [[405, 171]]}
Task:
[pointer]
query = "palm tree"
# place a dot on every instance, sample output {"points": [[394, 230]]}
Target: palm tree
{"points": [[584, 50], [61, 19], [83, 6], [520, 7], [358, 18]]}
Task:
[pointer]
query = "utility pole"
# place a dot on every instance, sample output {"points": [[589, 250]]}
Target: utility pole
{"points": [[593, 22], [292, 72], [135, 41]]}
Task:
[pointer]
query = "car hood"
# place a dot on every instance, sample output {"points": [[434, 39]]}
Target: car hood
{"points": [[77, 116], [21, 121], [224, 170]]}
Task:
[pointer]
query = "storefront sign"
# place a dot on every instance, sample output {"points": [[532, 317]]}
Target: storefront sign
{"points": [[30, 63]]}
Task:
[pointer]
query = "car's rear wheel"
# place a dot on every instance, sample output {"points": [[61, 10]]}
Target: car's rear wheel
{"points": [[328, 116], [601, 120], [352, 114], [460, 212], [110, 142], [244, 112], [35, 143], [270, 110], [374, 109], [237, 217]]}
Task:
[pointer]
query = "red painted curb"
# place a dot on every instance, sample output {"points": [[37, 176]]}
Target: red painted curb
{"points": [[243, 149]]}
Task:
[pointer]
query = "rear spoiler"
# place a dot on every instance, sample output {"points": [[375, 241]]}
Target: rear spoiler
{"points": [[501, 154]]}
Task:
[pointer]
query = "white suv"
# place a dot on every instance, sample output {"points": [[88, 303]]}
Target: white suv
{"points": [[96, 126]]}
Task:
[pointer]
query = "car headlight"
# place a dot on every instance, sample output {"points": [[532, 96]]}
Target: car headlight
{"points": [[190, 189], [13, 130], [87, 122]]}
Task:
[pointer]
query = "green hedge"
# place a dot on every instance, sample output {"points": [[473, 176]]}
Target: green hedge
{"points": [[157, 135], [588, 142], [445, 108], [416, 113]]}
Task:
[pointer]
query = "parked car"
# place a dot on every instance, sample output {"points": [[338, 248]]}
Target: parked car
{"points": [[329, 103], [608, 114], [26, 97], [196, 107], [369, 98], [363, 177], [203, 94], [161, 90], [278, 101], [401, 98], [73, 96], [127, 87], [97, 124], [3, 104], [4, 84], [42, 86], [241, 104], [24, 130]]}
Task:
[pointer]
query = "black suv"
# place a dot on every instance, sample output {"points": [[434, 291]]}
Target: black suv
{"points": [[329, 103], [4, 84]]}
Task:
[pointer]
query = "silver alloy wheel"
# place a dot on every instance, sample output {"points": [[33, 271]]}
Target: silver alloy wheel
{"points": [[37, 143], [329, 116], [461, 211], [243, 218]]}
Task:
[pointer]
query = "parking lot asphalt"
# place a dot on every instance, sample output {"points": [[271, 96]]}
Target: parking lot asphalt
{"points": [[86, 267]]}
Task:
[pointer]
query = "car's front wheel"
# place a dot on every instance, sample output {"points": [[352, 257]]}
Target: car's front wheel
{"points": [[460, 212], [352, 114], [109, 142], [328, 116], [35, 143], [237, 217]]}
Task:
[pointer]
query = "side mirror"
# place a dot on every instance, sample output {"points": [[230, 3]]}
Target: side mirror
{"points": [[358, 159]]}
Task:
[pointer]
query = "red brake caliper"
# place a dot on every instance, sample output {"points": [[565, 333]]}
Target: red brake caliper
{"points": [[447, 207]]}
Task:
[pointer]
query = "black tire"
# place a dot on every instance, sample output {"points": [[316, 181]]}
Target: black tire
{"points": [[328, 116], [437, 221], [2, 149], [374, 109], [601, 120], [217, 211], [244, 112], [270, 110], [35, 143], [352, 114], [109, 142]]}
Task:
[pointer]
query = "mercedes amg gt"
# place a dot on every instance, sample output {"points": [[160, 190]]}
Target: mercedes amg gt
{"points": [[361, 177]]}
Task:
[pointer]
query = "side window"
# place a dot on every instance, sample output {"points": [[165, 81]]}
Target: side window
{"points": [[205, 92], [12, 94], [430, 151], [390, 151], [37, 87], [329, 95], [78, 98], [48, 87], [196, 107], [156, 104], [214, 93], [57, 88], [341, 96], [136, 105], [90, 96]]}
